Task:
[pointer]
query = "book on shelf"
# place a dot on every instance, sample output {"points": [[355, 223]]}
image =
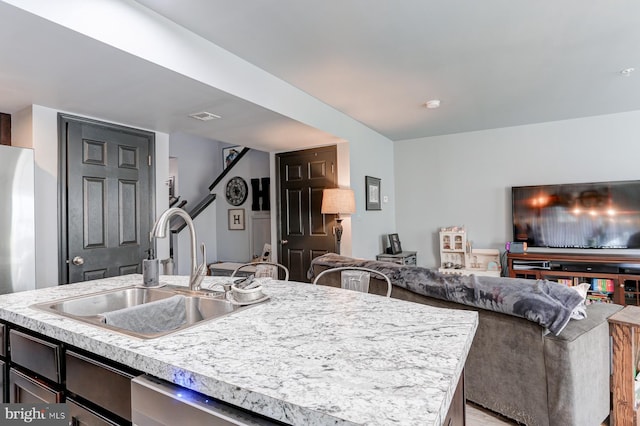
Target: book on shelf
{"points": [[598, 298], [602, 285]]}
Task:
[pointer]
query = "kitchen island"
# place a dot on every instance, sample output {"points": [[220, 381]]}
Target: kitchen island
{"points": [[311, 355]]}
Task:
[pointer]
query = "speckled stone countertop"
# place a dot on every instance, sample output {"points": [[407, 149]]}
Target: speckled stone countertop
{"points": [[311, 355]]}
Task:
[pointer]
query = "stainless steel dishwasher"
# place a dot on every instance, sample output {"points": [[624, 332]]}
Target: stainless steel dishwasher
{"points": [[156, 402]]}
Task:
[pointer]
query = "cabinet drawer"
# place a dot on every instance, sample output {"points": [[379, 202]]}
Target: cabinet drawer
{"points": [[3, 340], [83, 416], [99, 383], [26, 390], [37, 355], [389, 259]]}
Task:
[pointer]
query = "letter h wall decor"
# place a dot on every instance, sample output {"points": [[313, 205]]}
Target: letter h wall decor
{"points": [[260, 192]]}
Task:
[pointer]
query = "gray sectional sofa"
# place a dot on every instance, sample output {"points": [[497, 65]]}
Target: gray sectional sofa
{"points": [[516, 367]]}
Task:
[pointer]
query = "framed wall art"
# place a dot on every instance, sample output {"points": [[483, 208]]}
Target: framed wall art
{"points": [[229, 154], [236, 219], [372, 190]]}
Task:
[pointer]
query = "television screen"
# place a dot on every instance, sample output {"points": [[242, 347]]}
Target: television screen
{"points": [[583, 215]]}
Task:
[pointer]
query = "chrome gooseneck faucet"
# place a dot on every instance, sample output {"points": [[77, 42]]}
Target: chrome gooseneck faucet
{"points": [[160, 231]]}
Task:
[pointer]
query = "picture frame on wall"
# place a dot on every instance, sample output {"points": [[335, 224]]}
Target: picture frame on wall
{"points": [[229, 154], [236, 219], [372, 191], [394, 243]]}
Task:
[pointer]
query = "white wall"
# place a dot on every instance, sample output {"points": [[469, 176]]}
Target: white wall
{"points": [[465, 179], [162, 188], [370, 227], [37, 127], [235, 245], [198, 164]]}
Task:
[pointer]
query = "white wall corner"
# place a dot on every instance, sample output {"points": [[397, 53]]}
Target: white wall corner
{"points": [[45, 145]]}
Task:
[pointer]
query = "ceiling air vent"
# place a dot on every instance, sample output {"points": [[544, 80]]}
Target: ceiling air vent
{"points": [[204, 116]]}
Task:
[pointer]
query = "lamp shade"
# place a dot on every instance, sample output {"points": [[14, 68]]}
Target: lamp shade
{"points": [[338, 201]]}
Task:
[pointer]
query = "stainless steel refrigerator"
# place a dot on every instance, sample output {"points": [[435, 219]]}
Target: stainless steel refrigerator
{"points": [[17, 220]]}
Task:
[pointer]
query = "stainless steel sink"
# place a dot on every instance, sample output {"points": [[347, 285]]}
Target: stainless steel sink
{"points": [[96, 304], [199, 306]]}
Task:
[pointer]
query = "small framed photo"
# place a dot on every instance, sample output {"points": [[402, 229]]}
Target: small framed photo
{"points": [[394, 243], [229, 154], [236, 219], [372, 189], [172, 186]]}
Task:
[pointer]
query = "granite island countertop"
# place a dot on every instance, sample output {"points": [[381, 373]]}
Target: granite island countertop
{"points": [[311, 355]]}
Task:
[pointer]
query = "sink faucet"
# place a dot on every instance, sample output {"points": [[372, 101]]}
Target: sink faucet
{"points": [[160, 231]]}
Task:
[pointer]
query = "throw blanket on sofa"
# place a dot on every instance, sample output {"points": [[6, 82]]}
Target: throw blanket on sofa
{"points": [[545, 302]]}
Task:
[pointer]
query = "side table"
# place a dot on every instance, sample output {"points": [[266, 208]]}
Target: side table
{"points": [[225, 269], [402, 258]]}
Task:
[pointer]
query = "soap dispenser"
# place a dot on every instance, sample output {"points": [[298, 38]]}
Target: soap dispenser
{"points": [[150, 270]]}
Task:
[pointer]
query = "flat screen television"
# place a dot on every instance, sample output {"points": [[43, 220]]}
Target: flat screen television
{"points": [[601, 215]]}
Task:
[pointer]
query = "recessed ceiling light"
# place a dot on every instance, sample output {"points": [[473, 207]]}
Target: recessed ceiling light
{"points": [[433, 103], [627, 71], [204, 116]]}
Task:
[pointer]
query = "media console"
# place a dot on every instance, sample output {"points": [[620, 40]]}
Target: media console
{"points": [[614, 278]]}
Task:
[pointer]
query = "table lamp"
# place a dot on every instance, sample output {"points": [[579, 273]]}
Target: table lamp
{"points": [[338, 201]]}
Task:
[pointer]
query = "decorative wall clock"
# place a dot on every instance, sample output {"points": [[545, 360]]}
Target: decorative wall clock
{"points": [[237, 191]]}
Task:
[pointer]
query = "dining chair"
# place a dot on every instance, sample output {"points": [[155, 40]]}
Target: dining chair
{"points": [[264, 269], [377, 274]]}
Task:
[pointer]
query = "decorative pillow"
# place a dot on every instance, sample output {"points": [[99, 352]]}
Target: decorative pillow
{"points": [[580, 311]]}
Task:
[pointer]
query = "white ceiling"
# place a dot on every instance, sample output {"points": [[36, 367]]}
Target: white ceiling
{"points": [[492, 63]]}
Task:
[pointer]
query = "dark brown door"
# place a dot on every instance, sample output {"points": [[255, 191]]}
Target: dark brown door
{"points": [[304, 232], [107, 199]]}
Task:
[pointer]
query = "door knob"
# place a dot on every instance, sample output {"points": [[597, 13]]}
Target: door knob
{"points": [[77, 261], [283, 242]]}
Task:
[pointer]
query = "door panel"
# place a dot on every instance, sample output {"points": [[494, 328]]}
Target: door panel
{"points": [[108, 199], [128, 212], [129, 269], [94, 221], [295, 260], [318, 225], [318, 169], [304, 232], [295, 224], [94, 275]]}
